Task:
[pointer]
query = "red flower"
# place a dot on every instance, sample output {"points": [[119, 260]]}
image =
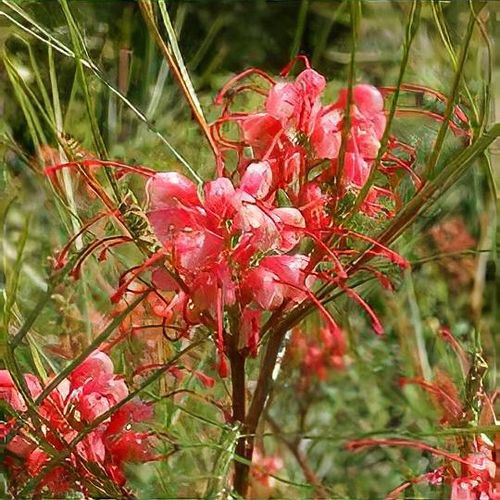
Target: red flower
{"points": [[90, 390]]}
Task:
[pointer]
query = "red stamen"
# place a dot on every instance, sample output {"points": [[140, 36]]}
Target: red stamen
{"points": [[103, 254], [118, 240], [148, 172], [376, 325], [365, 443], [381, 277], [244, 74], [386, 252], [326, 314], [61, 257], [136, 272], [434, 389], [405, 166], [455, 128], [339, 269], [286, 70], [448, 337]]}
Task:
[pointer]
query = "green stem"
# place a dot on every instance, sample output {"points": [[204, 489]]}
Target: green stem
{"points": [[451, 99], [411, 30]]}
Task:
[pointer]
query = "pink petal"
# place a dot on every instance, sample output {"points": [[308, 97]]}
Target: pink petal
{"points": [[218, 197], [257, 179], [169, 189], [96, 365], [282, 101], [290, 221], [311, 83], [327, 135], [259, 130]]}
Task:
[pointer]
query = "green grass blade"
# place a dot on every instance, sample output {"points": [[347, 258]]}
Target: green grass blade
{"points": [[452, 98], [60, 47], [410, 32]]}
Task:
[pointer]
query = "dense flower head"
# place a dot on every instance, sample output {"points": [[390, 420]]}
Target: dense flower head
{"points": [[259, 239], [297, 133], [264, 235], [87, 394]]}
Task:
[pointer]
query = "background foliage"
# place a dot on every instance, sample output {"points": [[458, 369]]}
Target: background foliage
{"points": [[45, 94]]}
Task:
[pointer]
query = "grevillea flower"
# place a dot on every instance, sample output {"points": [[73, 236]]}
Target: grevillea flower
{"points": [[295, 131], [217, 244], [265, 235], [90, 391]]}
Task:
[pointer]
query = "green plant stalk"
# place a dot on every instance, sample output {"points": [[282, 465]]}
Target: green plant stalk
{"points": [[299, 31], [441, 183], [320, 44], [4, 328], [41, 87], [12, 286], [172, 54], [437, 11], [34, 126], [436, 151], [54, 281], [453, 431], [411, 31], [425, 368], [79, 49], [346, 126]]}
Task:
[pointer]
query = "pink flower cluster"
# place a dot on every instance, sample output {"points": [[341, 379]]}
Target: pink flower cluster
{"points": [[233, 246], [78, 400], [228, 247], [300, 138], [265, 235], [319, 352]]}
